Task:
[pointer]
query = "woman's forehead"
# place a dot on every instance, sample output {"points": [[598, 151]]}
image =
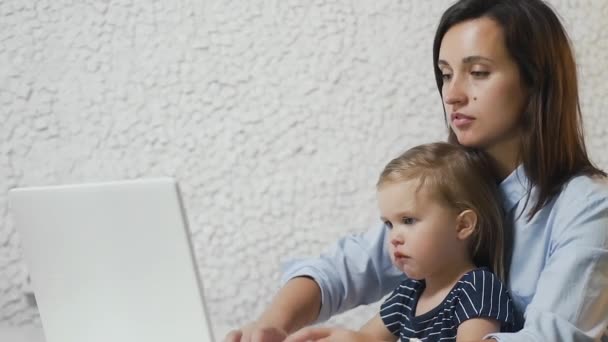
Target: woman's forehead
{"points": [[481, 37]]}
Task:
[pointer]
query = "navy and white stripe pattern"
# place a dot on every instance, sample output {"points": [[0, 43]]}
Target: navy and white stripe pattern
{"points": [[479, 293]]}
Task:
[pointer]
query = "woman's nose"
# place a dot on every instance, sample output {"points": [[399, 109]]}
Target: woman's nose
{"points": [[454, 92]]}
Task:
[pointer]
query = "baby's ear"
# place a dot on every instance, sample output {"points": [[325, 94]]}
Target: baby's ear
{"points": [[466, 223]]}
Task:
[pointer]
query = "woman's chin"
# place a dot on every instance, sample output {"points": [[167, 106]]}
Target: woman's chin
{"points": [[469, 141]]}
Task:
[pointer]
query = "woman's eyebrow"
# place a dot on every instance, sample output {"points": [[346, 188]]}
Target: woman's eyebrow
{"points": [[467, 60], [475, 59]]}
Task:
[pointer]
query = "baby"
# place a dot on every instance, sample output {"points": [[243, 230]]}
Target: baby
{"points": [[440, 203]]}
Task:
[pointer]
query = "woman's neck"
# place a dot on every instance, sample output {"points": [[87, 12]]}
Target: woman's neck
{"points": [[506, 156]]}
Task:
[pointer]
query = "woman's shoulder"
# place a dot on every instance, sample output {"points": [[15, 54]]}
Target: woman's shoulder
{"points": [[580, 211], [583, 189]]}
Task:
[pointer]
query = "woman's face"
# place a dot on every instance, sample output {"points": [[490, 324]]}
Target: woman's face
{"points": [[482, 90]]}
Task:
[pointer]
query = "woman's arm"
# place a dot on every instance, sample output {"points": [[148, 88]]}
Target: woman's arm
{"points": [[571, 297], [295, 305], [356, 270]]}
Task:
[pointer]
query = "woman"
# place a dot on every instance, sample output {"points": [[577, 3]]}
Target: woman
{"points": [[507, 77]]}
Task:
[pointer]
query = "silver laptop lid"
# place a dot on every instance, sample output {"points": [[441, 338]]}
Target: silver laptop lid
{"points": [[111, 262]]}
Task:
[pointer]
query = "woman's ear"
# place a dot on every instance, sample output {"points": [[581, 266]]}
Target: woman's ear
{"points": [[466, 223]]}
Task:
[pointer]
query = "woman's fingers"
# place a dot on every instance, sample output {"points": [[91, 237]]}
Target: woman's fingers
{"points": [[234, 336], [253, 333]]}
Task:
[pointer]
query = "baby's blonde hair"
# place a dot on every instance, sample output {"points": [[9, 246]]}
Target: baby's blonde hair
{"points": [[463, 179]]}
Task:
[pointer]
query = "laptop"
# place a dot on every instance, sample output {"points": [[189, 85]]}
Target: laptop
{"points": [[111, 262]]}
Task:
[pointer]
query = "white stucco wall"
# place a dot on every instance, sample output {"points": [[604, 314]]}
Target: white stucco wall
{"points": [[274, 116]]}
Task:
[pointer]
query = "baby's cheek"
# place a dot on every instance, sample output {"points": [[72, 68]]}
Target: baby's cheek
{"points": [[427, 244]]}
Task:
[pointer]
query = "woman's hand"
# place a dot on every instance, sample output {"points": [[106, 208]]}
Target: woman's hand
{"points": [[256, 333], [329, 335]]}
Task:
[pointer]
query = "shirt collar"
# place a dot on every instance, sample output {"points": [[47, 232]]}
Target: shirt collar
{"points": [[514, 188]]}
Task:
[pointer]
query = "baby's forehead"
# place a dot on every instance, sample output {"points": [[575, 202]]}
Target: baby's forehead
{"points": [[426, 192], [418, 187]]}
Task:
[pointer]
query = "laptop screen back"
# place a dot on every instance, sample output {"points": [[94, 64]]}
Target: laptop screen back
{"points": [[111, 262]]}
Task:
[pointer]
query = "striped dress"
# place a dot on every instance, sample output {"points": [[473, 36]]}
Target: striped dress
{"points": [[479, 293]]}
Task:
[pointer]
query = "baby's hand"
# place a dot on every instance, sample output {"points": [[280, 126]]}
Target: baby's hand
{"points": [[328, 335]]}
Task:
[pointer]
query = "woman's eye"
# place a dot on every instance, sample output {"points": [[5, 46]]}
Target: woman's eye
{"points": [[446, 77], [480, 74], [408, 220]]}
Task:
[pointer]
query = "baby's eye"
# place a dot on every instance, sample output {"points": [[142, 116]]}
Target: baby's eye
{"points": [[408, 220], [388, 225]]}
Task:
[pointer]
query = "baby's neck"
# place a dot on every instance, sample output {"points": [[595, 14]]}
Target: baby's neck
{"points": [[446, 278], [439, 285]]}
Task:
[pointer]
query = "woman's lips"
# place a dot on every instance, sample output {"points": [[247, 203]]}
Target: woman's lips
{"points": [[460, 120]]}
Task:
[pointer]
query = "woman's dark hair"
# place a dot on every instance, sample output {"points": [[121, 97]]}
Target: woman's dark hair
{"points": [[553, 147]]}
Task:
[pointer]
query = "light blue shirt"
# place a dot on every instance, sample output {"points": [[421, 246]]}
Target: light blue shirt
{"points": [[558, 274]]}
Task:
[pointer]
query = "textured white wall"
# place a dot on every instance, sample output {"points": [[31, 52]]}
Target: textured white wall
{"points": [[275, 117]]}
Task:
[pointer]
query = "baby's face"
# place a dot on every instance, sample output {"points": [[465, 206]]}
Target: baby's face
{"points": [[422, 231]]}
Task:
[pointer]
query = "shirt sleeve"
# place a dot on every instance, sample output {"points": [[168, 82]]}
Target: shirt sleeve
{"points": [[571, 300], [356, 270], [483, 295]]}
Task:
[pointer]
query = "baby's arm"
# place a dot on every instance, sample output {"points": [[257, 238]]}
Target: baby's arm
{"points": [[372, 331], [375, 327], [475, 329]]}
